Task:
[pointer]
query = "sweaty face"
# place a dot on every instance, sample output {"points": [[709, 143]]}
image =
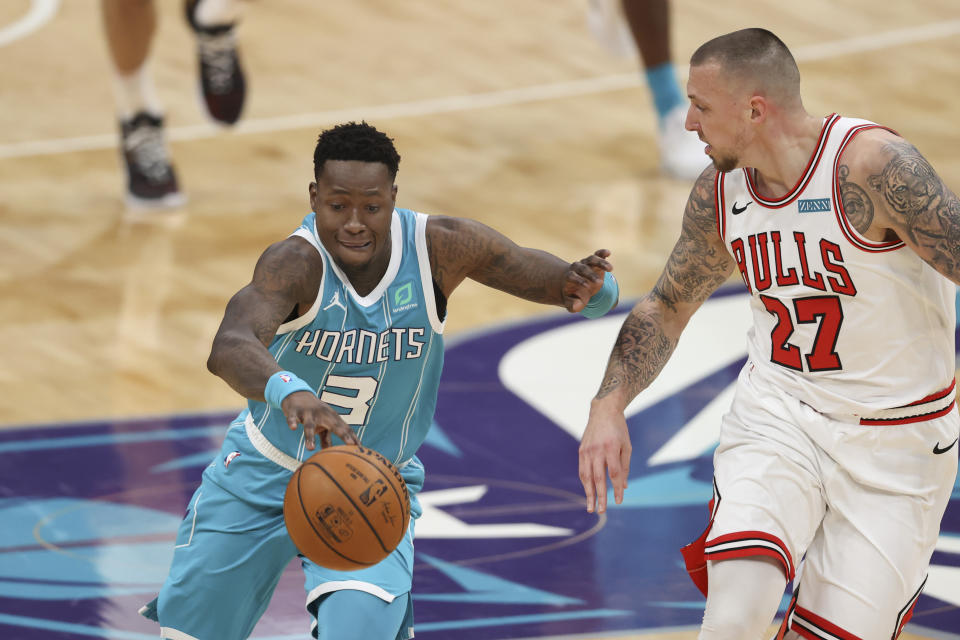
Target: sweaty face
{"points": [[714, 115], [354, 203]]}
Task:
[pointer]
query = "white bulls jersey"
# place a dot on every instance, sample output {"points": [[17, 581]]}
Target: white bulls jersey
{"points": [[845, 324]]}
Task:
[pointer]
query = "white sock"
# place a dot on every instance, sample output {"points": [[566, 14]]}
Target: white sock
{"points": [[212, 13], [135, 92]]}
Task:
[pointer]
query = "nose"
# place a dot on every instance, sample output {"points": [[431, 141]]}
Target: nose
{"points": [[353, 223], [691, 124]]}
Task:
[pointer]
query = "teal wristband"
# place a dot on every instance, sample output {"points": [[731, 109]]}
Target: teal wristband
{"points": [[603, 300], [280, 385]]}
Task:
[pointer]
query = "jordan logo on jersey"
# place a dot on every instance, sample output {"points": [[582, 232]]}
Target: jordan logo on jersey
{"points": [[335, 301]]}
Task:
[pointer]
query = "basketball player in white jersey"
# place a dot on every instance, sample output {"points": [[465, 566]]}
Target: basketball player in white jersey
{"points": [[838, 455]]}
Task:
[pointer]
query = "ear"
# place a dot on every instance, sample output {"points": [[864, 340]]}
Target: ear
{"points": [[393, 192], [313, 196], [758, 109]]}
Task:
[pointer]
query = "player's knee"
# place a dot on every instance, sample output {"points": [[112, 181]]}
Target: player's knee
{"points": [[356, 615], [744, 596]]}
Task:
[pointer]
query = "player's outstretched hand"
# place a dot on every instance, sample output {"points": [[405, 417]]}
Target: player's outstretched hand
{"points": [[317, 418], [605, 447], [584, 278]]}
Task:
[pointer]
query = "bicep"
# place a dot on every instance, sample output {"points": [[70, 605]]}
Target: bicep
{"points": [[917, 205], [280, 281]]}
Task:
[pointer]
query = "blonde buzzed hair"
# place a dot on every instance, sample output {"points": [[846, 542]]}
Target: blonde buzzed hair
{"points": [[755, 55]]}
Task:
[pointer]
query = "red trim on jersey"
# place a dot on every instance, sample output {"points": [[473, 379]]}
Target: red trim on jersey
{"points": [[718, 203], [744, 544], [785, 626], [922, 417], [804, 178], [937, 395], [907, 612], [816, 628], [852, 235]]}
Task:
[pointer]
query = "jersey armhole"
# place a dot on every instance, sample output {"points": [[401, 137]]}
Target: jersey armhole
{"points": [[426, 275], [849, 231]]}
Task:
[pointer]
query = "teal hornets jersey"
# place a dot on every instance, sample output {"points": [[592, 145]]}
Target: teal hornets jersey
{"points": [[375, 359]]}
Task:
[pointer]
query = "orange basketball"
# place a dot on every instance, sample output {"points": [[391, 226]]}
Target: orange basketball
{"points": [[346, 507]]}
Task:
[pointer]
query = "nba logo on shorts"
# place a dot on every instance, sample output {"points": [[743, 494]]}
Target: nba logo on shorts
{"points": [[230, 458]]}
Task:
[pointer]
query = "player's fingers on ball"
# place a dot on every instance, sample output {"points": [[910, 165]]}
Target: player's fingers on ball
{"points": [[325, 439], [310, 434]]}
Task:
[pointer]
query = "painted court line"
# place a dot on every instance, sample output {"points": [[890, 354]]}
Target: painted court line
{"points": [[453, 104]]}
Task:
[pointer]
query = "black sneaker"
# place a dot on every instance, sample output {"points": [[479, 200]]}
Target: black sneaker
{"points": [[222, 82], [151, 180]]}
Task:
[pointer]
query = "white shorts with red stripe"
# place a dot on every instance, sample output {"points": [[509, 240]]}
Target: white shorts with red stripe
{"points": [[860, 500]]}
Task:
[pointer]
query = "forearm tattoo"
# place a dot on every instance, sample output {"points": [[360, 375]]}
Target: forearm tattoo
{"points": [[640, 353], [927, 210], [857, 205], [698, 264]]}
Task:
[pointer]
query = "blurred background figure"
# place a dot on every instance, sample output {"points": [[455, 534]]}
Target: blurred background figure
{"points": [[151, 180], [629, 27]]}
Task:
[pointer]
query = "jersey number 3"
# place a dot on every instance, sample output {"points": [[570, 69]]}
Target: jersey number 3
{"points": [[358, 403], [826, 311]]}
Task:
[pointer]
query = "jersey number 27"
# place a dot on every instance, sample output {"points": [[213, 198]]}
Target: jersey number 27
{"points": [[826, 311]]}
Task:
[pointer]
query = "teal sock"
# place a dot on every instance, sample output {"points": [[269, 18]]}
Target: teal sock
{"points": [[663, 84]]}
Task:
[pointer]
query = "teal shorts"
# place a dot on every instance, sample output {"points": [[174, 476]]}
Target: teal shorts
{"points": [[229, 555]]}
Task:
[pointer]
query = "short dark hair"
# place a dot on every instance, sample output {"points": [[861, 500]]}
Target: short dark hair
{"points": [[755, 53], [355, 141]]}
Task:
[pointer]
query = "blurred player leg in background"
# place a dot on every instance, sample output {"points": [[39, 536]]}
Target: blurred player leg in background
{"points": [[627, 27], [151, 181]]}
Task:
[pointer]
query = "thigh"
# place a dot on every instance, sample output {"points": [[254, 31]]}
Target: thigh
{"points": [[768, 495], [866, 567], [227, 560], [348, 614]]}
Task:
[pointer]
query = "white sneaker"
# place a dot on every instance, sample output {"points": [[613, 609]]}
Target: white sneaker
{"points": [[681, 151]]}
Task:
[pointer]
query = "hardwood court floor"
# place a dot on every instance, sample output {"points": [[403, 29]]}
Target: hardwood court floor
{"points": [[507, 112]]}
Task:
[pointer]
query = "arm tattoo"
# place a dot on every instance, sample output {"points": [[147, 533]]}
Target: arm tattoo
{"points": [[857, 205], [699, 263], [640, 353], [926, 210], [463, 248]]}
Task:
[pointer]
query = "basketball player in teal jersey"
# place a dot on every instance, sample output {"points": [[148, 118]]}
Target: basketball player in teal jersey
{"points": [[339, 336]]}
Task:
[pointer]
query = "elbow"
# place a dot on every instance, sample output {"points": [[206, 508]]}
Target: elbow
{"points": [[215, 359], [212, 363]]}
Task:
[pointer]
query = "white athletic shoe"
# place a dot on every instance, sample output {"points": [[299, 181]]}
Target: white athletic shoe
{"points": [[681, 151]]}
